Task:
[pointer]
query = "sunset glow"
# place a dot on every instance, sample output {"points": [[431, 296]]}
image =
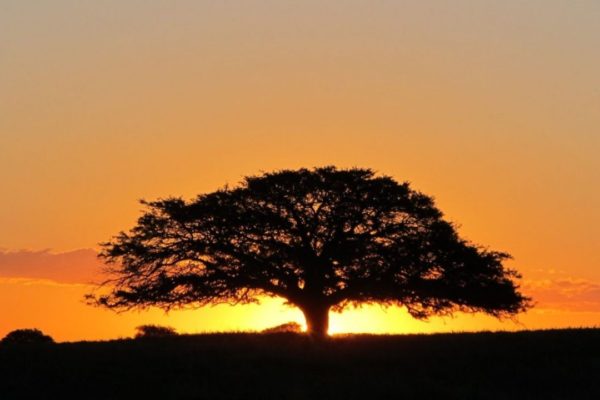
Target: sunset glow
{"points": [[490, 107]]}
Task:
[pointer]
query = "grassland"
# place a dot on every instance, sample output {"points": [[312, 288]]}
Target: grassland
{"points": [[556, 364]]}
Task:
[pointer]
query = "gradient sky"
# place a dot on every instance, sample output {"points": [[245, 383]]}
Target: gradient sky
{"points": [[491, 107]]}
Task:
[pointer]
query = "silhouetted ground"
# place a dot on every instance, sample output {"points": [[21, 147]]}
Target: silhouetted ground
{"points": [[558, 364]]}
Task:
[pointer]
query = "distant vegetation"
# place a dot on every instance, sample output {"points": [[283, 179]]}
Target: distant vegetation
{"points": [[288, 327], [561, 364], [26, 336], [154, 331]]}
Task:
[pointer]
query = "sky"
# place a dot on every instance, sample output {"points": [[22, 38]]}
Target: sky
{"points": [[493, 108]]}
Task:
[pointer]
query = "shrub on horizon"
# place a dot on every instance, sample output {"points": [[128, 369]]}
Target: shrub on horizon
{"points": [[288, 327], [26, 336], [154, 331]]}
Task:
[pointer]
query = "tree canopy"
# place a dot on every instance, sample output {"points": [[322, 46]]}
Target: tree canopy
{"points": [[30, 336], [322, 239]]}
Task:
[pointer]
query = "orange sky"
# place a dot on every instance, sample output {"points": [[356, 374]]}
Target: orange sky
{"points": [[491, 107]]}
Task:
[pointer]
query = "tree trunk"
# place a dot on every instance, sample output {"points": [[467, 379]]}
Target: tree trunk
{"points": [[317, 320]]}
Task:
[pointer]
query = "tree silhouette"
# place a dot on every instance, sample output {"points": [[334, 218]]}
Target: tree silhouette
{"points": [[26, 337], [322, 239]]}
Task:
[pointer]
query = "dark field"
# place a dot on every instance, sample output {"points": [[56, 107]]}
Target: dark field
{"points": [[559, 364]]}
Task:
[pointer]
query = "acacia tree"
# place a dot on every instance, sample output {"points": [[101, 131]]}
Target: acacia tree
{"points": [[322, 239]]}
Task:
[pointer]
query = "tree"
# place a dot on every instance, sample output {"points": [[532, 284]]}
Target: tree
{"points": [[26, 336], [322, 239]]}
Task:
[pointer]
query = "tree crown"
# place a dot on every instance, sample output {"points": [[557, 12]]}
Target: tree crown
{"points": [[324, 236]]}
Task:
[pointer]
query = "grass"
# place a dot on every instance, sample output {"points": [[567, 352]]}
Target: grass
{"points": [[554, 364]]}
